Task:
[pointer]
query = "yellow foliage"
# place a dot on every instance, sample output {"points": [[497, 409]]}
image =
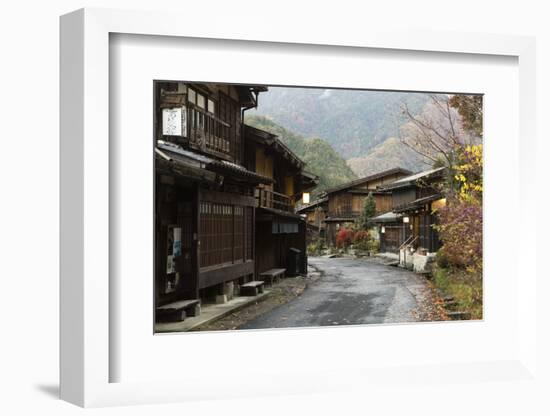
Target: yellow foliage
{"points": [[469, 173]]}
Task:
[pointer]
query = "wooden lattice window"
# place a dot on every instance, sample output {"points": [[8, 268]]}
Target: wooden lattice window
{"points": [[225, 233], [239, 233], [249, 232]]}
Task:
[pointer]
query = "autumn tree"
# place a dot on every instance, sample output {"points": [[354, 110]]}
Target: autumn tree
{"points": [[461, 219], [470, 108], [442, 131]]}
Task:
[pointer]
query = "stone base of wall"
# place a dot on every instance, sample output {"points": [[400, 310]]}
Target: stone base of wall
{"points": [[422, 262], [418, 262]]}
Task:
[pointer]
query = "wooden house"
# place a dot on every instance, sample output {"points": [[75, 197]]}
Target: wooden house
{"points": [[414, 200], [204, 195], [346, 201], [280, 231], [315, 213]]}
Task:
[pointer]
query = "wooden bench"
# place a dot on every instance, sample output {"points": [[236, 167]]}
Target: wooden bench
{"points": [[252, 288], [273, 275], [179, 310]]}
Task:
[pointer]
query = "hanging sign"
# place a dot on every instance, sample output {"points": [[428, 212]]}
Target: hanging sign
{"points": [[174, 121]]}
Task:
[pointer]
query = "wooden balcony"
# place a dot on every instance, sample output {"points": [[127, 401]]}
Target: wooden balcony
{"points": [[344, 213], [270, 199], [210, 134]]}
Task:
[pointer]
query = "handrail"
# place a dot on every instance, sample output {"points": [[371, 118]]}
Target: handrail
{"points": [[271, 199], [408, 243], [344, 213], [209, 132], [404, 243], [208, 114]]}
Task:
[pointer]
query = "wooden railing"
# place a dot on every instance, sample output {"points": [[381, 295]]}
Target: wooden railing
{"points": [[269, 199], [344, 213], [209, 133]]}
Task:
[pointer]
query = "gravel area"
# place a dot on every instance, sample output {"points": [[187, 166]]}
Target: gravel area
{"points": [[280, 293]]}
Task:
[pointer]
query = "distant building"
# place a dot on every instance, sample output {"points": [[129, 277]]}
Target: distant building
{"points": [[346, 201], [411, 220], [315, 213]]}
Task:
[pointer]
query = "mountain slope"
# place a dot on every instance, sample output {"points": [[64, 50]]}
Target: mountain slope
{"points": [[352, 121], [320, 158], [389, 154]]}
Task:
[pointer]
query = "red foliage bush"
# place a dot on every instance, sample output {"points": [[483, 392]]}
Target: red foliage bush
{"points": [[361, 236], [460, 230], [344, 238]]}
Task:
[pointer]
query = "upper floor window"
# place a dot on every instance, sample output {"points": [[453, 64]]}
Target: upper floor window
{"points": [[201, 101], [191, 96]]}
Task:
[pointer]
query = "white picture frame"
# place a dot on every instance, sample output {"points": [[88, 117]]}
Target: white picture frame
{"points": [[86, 333]]}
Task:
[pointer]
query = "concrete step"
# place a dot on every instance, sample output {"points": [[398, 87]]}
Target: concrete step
{"points": [[459, 316]]}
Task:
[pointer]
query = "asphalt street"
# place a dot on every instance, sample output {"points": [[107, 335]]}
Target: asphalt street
{"points": [[350, 291]]}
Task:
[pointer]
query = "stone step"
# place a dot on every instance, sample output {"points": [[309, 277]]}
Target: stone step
{"points": [[459, 316], [178, 311], [252, 288]]}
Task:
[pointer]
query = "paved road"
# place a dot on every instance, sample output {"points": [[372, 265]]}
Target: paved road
{"points": [[350, 291]]}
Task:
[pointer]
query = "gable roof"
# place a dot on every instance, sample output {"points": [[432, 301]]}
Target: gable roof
{"points": [[412, 179], [385, 217], [273, 141], [366, 179], [417, 203], [305, 208]]}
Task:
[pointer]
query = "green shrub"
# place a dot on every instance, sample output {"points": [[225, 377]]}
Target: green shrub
{"points": [[466, 288], [440, 279], [441, 259], [364, 241], [374, 246], [316, 247], [361, 240]]}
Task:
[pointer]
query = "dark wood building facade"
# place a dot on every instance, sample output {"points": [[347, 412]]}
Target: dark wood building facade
{"points": [[315, 214], [205, 197], [415, 198], [225, 196], [280, 232], [346, 202]]}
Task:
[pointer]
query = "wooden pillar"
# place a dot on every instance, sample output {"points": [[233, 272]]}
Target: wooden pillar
{"points": [[196, 238]]}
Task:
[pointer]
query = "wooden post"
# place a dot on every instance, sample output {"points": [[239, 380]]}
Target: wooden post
{"points": [[253, 240], [196, 239]]}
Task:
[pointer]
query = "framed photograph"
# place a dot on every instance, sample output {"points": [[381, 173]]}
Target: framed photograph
{"points": [[260, 203]]}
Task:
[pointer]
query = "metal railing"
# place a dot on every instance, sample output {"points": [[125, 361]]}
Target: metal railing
{"points": [[403, 248], [270, 199], [408, 242]]}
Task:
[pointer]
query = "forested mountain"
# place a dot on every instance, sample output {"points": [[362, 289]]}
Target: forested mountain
{"points": [[320, 158], [389, 154], [352, 121]]}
